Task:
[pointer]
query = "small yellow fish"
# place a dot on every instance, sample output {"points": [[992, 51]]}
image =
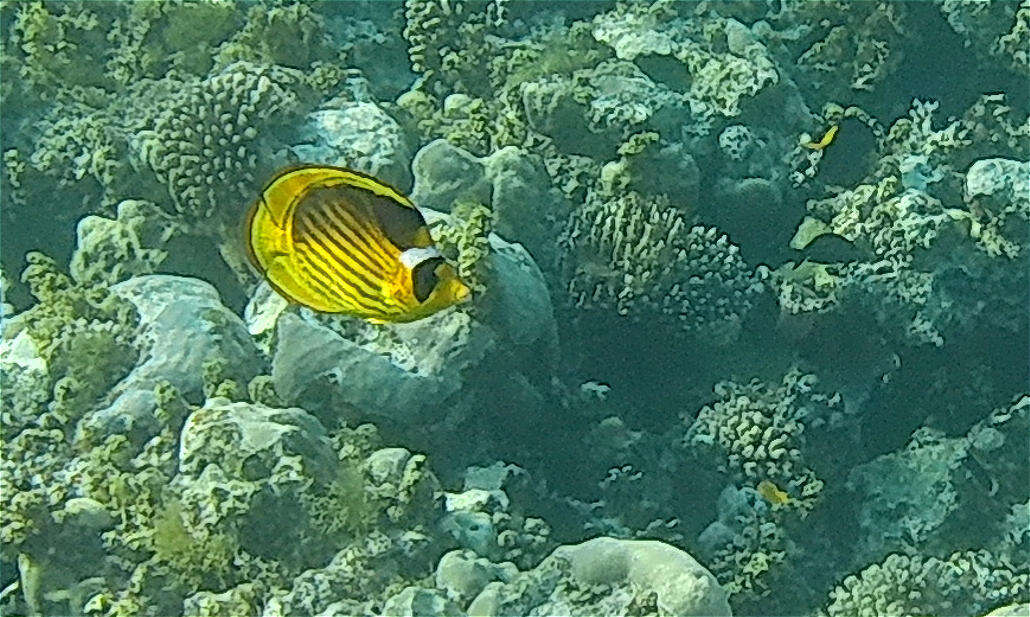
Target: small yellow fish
{"points": [[825, 141], [339, 241], [772, 493]]}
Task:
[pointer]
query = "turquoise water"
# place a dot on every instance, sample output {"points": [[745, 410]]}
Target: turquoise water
{"points": [[748, 333]]}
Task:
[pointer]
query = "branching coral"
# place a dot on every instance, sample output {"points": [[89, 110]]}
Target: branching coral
{"points": [[464, 239], [757, 432], [59, 43], [858, 54], [289, 34], [112, 250], [203, 143], [995, 30], [747, 546], [965, 583], [906, 211], [74, 326], [448, 42], [638, 258], [725, 64]]}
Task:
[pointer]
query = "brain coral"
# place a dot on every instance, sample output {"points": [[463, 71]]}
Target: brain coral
{"points": [[640, 259]]}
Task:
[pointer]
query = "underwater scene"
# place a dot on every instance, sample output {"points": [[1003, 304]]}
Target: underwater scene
{"points": [[513, 307]]}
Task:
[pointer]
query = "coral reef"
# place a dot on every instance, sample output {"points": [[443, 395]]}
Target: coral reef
{"points": [[801, 228], [202, 144]]}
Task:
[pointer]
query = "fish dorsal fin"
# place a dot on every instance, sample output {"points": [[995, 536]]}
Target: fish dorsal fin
{"points": [[285, 190]]}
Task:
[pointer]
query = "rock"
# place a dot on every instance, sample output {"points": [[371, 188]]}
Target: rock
{"points": [[488, 602], [511, 182], [445, 174], [418, 373], [462, 575], [416, 601], [472, 530], [387, 465], [131, 414], [359, 136], [907, 495], [318, 369], [1012, 610], [21, 350], [87, 514], [184, 325], [683, 586], [517, 303], [239, 435], [261, 313], [522, 201], [997, 177], [617, 574]]}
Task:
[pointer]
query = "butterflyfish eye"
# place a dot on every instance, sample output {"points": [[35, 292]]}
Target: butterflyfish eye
{"points": [[424, 277]]}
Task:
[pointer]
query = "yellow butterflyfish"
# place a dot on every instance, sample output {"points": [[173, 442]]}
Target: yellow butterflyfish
{"points": [[339, 241], [825, 141], [772, 493]]}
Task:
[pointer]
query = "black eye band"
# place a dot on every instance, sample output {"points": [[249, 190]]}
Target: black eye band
{"points": [[424, 279]]}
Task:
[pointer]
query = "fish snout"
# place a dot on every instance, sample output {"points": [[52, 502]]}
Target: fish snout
{"points": [[462, 293]]}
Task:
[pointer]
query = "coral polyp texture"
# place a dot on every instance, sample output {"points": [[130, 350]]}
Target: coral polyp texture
{"points": [[202, 143], [745, 333]]}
